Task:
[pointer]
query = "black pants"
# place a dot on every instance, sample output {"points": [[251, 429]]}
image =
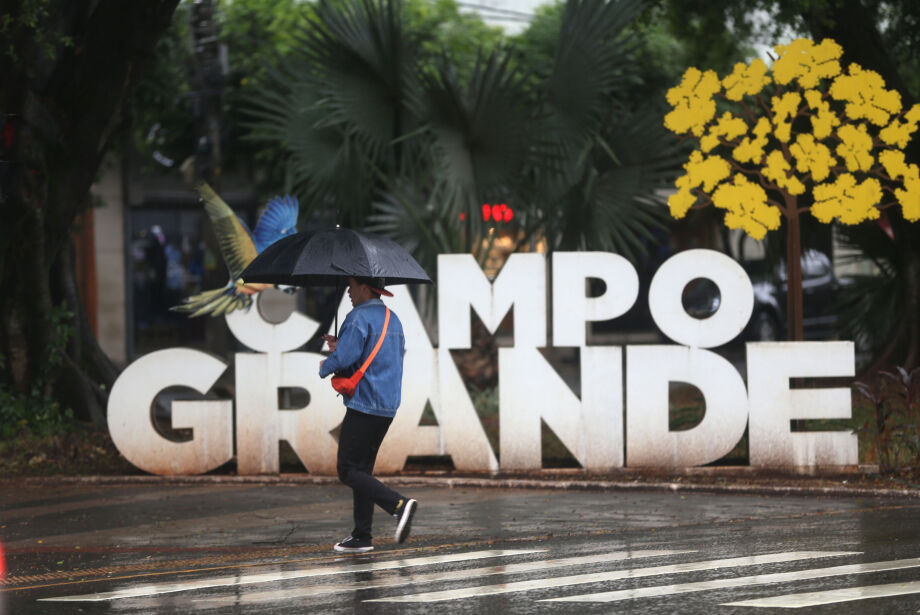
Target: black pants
{"points": [[359, 442]]}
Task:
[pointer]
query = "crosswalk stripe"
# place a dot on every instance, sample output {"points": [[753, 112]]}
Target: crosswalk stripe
{"points": [[434, 577], [780, 577], [165, 588], [614, 575], [846, 594]]}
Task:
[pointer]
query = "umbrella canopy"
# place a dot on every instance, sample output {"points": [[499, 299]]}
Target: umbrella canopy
{"points": [[325, 257]]}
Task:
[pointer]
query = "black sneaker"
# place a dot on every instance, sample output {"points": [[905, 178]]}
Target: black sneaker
{"points": [[354, 545], [404, 516]]}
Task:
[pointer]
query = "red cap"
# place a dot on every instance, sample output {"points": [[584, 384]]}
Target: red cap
{"points": [[376, 285]]}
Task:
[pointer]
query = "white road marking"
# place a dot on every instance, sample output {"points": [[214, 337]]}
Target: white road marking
{"points": [[614, 575], [434, 577], [319, 571], [780, 577], [846, 594]]}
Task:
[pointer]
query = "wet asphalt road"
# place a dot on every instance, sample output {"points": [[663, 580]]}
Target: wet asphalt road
{"points": [[266, 549]]}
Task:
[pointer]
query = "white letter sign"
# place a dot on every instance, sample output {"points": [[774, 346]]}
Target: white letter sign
{"points": [[774, 405], [599, 430], [131, 422]]}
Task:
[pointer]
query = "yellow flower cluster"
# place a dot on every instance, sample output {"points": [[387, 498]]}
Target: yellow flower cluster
{"points": [[824, 119], [681, 201], [897, 132], [806, 62], [909, 196], [896, 166], [778, 171], [751, 150], [855, 147], [746, 207], [866, 97], [692, 102], [746, 80], [785, 108], [846, 200], [807, 82], [728, 127], [812, 156], [706, 172]]}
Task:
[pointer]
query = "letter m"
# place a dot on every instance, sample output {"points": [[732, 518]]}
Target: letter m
{"points": [[462, 285]]}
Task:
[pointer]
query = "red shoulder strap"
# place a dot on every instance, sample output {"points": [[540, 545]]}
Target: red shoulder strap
{"points": [[370, 357]]}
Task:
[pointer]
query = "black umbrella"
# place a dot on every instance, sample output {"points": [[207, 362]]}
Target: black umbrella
{"points": [[327, 257]]}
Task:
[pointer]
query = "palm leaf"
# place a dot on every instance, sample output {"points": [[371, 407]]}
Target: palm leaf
{"points": [[364, 63], [338, 105], [616, 201], [592, 62], [425, 230], [482, 134], [870, 307]]}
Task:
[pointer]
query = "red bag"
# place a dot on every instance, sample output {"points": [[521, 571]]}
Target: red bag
{"points": [[346, 384]]}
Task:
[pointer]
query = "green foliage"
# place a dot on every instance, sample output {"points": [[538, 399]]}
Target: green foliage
{"points": [[260, 37], [162, 111], [166, 107], [35, 410], [868, 306], [443, 30], [485, 401], [535, 47], [379, 130], [31, 22], [714, 34], [80, 451], [258, 34], [893, 399]]}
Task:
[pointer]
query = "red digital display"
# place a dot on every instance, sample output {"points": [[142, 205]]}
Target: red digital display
{"points": [[499, 212]]}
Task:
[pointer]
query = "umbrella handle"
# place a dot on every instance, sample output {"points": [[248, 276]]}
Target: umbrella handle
{"points": [[337, 307]]}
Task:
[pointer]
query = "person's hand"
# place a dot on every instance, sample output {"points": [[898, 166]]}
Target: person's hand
{"points": [[331, 340]]}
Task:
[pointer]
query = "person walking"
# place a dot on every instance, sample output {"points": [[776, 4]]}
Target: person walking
{"points": [[370, 340]]}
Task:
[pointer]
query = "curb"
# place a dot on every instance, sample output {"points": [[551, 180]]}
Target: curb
{"points": [[473, 482]]}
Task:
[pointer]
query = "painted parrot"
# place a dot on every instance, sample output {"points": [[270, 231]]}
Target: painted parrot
{"points": [[239, 247]]}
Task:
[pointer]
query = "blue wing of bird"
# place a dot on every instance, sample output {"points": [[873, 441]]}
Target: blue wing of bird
{"points": [[278, 220]]}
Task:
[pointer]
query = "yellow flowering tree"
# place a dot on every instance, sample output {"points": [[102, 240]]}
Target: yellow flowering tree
{"points": [[802, 135]]}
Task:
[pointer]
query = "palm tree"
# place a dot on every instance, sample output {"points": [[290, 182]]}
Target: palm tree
{"points": [[400, 142]]}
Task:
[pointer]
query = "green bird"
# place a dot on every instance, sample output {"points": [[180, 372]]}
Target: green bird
{"points": [[239, 247]]}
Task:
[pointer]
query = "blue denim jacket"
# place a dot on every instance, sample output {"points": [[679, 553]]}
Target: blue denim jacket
{"points": [[380, 390]]}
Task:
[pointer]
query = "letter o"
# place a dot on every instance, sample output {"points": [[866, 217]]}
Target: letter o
{"points": [[666, 304]]}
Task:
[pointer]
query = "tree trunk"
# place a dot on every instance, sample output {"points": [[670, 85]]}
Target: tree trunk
{"points": [[794, 307], [87, 373], [66, 106]]}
